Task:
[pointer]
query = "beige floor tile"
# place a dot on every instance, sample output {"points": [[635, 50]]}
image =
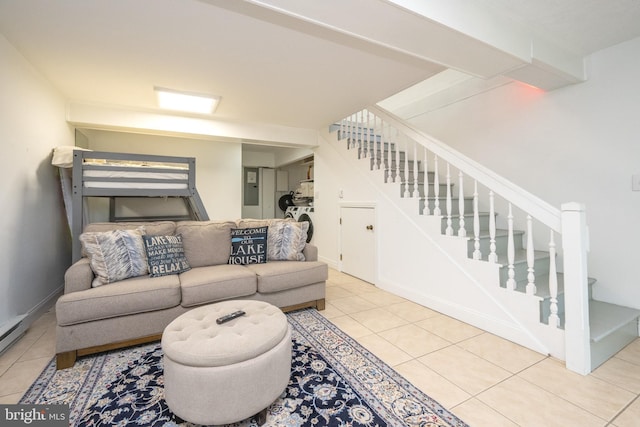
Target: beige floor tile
{"points": [[44, 347], [330, 311], [358, 286], [337, 277], [631, 353], [414, 340], [448, 328], [10, 399], [585, 391], [351, 327], [387, 352], [352, 304], [411, 311], [630, 417], [501, 352], [378, 319], [434, 385], [336, 292], [476, 413], [530, 406], [468, 371], [21, 374], [621, 373], [17, 349], [381, 298]]}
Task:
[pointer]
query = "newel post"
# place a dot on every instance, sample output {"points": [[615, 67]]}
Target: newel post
{"points": [[575, 245]]}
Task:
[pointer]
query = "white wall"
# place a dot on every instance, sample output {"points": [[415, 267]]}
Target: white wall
{"points": [[579, 143], [218, 164], [35, 240]]}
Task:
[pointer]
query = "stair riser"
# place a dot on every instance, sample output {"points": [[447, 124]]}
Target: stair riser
{"points": [[468, 223], [502, 243], [382, 163], [545, 309], [540, 266], [468, 206]]}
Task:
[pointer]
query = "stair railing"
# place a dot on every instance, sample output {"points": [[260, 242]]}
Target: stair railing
{"points": [[376, 124]]}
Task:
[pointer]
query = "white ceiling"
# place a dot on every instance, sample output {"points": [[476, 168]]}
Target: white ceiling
{"points": [[293, 63]]}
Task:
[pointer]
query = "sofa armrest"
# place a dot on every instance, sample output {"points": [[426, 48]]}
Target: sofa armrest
{"points": [[310, 252], [78, 277]]}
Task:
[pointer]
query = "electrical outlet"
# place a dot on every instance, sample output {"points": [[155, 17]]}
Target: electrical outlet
{"points": [[635, 182]]}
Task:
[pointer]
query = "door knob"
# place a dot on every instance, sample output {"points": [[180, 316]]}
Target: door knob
{"points": [[369, 227]]}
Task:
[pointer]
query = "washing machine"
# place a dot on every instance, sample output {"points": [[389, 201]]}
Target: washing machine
{"points": [[302, 213]]}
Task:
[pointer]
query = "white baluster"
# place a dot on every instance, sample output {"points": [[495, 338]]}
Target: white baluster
{"points": [[462, 232], [396, 157], [449, 230], [436, 188], [511, 252], [365, 133], [493, 257], [531, 277], [554, 319], [406, 167], [380, 153], [425, 182], [359, 118], [476, 223], [416, 191], [370, 133], [354, 130], [388, 150], [374, 140]]}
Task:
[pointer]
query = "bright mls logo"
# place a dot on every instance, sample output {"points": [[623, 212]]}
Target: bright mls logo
{"points": [[34, 415]]}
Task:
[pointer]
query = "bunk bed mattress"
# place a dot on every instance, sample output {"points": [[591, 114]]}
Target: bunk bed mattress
{"points": [[155, 179]]}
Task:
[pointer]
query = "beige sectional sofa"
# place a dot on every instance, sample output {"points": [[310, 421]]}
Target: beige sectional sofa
{"points": [[137, 309]]}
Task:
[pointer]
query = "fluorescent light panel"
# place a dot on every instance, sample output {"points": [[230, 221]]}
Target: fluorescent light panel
{"points": [[186, 101]]}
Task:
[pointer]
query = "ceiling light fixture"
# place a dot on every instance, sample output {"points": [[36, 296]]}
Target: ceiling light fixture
{"points": [[186, 101]]}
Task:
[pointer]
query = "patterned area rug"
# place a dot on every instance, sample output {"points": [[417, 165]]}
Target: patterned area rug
{"points": [[334, 382]]}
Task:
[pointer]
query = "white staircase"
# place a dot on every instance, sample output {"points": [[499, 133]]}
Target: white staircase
{"points": [[496, 223]]}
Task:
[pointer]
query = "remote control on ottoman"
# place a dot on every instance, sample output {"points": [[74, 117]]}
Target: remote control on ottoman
{"points": [[231, 316]]}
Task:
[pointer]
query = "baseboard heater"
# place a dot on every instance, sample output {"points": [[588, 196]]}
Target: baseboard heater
{"points": [[11, 330]]}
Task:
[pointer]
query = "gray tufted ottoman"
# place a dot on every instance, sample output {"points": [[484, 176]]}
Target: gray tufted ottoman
{"points": [[220, 374]]}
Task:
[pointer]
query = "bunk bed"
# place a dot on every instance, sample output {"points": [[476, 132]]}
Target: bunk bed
{"points": [[86, 173]]}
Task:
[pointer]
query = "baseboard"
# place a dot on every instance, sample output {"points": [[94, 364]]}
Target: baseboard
{"points": [[17, 326], [330, 262]]}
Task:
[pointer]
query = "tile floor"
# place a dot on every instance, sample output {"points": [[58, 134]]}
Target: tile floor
{"points": [[485, 380]]}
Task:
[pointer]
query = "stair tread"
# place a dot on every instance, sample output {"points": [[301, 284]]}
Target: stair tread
{"points": [[605, 318]]}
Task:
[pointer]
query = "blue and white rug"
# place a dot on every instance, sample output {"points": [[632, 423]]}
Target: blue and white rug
{"points": [[334, 382]]}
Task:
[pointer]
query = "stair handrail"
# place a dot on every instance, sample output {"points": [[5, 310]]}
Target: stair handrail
{"points": [[533, 205]]}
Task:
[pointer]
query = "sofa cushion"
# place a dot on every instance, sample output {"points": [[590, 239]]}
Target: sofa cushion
{"points": [[115, 255], [130, 296], [248, 245], [205, 285], [276, 276], [206, 242], [165, 255]]}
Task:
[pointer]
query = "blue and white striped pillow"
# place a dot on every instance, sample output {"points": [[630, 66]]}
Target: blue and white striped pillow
{"points": [[115, 255]]}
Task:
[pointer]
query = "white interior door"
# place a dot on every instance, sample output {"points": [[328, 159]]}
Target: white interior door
{"points": [[358, 242]]}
